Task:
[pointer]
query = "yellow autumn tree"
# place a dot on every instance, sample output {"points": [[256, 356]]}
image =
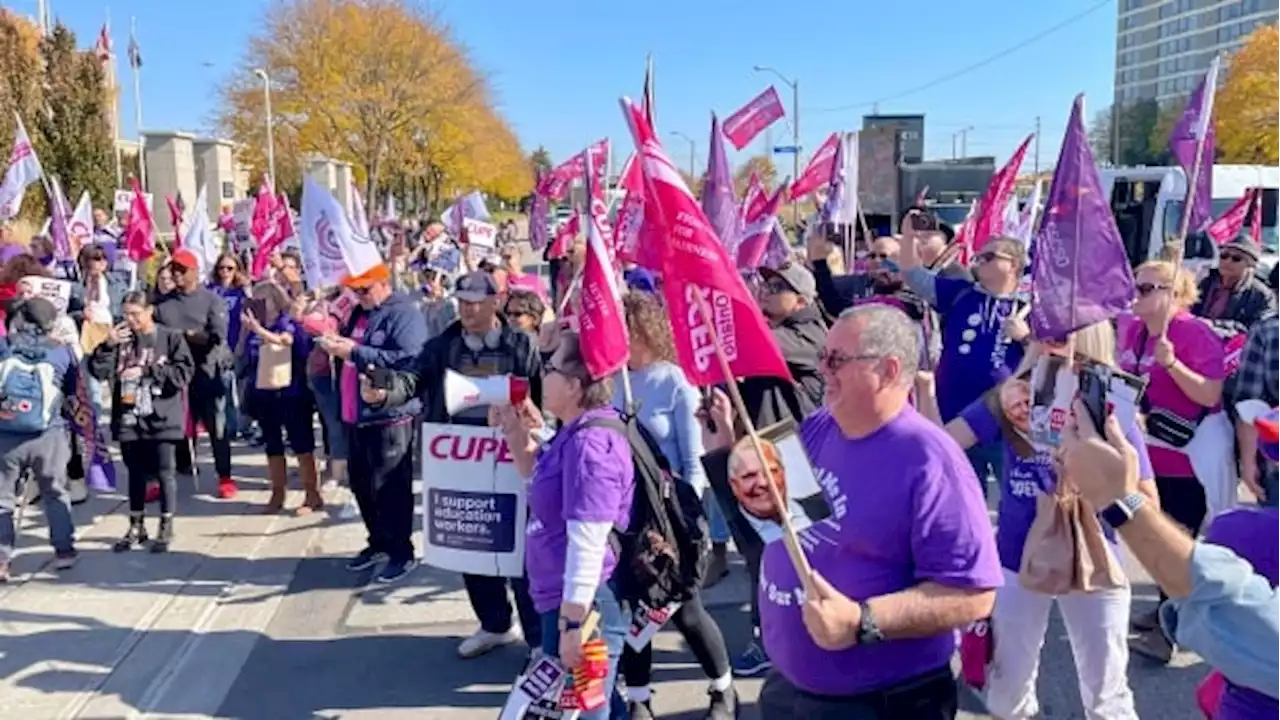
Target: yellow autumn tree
{"points": [[1247, 105], [377, 83]]}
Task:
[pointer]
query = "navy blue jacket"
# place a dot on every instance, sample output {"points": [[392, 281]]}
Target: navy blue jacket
{"points": [[393, 339]]}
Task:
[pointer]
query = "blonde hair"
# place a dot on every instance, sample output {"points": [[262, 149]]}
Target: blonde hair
{"points": [[1185, 292], [744, 447], [1097, 342]]}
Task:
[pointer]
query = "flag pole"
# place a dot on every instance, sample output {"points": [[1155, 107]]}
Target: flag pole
{"points": [[137, 107], [114, 80]]}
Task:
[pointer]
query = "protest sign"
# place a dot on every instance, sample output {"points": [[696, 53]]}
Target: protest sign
{"points": [[55, 291], [793, 475], [473, 502], [124, 199], [646, 622], [480, 233], [1053, 387], [242, 214]]}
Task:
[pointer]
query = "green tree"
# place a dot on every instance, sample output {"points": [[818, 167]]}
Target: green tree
{"points": [[77, 147], [541, 160]]}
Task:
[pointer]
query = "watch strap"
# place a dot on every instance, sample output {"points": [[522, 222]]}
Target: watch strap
{"points": [[868, 630], [1122, 510]]}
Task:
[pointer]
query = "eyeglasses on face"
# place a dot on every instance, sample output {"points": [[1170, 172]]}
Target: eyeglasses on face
{"points": [[1233, 257], [833, 360], [226, 268], [1145, 289], [987, 257], [879, 256]]}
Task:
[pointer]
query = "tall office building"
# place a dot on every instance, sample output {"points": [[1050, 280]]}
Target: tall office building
{"points": [[1164, 47]]}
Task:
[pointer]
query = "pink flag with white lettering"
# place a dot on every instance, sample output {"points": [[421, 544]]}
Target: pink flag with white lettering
{"points": [[819, 170], [697, 272], [601, 322], [758, 222], [555, 183], [744, 125], [1230, 223]]}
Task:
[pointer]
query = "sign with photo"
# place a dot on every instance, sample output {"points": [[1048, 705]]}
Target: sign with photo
{"points": [[1053, 387], [124, 199], [793, 475], [473, 502]]}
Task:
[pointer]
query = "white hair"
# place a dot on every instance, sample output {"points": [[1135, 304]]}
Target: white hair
{"points": [[887, 332]]}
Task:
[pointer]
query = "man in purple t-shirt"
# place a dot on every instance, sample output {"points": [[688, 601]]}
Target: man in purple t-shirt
{"points": [[907, 556]]}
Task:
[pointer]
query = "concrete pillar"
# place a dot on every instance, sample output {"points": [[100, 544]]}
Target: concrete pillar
{"points": [[171, 170]]}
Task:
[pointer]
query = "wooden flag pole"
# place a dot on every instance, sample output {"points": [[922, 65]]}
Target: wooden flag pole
{"points": [[789, 537]]}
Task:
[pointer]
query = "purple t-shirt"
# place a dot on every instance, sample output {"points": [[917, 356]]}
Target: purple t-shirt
{"points": [[893, 525], [1026, 478], [582, 475], [976, 354]]}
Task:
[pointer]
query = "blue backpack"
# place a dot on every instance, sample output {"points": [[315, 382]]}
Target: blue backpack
{"points": [[31, 396]]}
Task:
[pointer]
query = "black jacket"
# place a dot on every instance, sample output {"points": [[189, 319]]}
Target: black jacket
{"points": [[199, 316], [426, 380], [167, 375], [1250, 302], [800, 337]]}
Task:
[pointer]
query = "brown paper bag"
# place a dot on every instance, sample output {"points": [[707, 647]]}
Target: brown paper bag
{"points": [[1049, 555], [92, 335], [275, 367], [1097, 567]]}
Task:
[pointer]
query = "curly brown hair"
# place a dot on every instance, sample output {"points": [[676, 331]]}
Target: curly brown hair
{"points": [[20, 266], [648, 325]]}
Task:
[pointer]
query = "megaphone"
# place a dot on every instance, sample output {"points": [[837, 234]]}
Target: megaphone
{"points": [[462, 392]]}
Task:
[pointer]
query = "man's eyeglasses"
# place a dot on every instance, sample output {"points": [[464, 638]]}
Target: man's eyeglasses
{"points": [[1145, 289], [879, 256], [987, 257], [774, 286], [833, 360], [362, 291]]}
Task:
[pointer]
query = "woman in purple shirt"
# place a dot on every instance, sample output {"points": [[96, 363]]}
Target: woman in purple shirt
{"points": [[580, 490]]}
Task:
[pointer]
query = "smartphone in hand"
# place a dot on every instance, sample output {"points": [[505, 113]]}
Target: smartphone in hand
{"points": [[1093, 394]]}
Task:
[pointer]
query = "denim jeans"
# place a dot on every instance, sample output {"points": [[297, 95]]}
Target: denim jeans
{"points": [[329, 404], [45, 457], [613, 628], [231, 384], [715, 518]]}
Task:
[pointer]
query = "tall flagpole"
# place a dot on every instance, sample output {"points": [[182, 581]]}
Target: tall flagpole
{"points": [[114, 80], [134, 56]]}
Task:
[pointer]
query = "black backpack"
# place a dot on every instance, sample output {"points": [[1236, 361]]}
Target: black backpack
{"points": [[663, 553]]}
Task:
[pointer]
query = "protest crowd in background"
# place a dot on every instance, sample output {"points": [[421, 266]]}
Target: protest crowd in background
{"points": [[654, 384]]}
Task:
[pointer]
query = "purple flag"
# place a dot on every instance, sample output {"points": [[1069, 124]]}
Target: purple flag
{"points": [[538, 219], [1080, 274], [835, 188], [718, 203], [777, 253], [1195, 129], [58, 212]]}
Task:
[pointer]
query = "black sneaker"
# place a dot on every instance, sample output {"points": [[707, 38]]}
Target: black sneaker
{"points": [[395, 570], [753, 661], [366, 559], [65, 559], [724, 704]]}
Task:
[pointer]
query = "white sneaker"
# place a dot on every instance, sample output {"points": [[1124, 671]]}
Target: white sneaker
{"points": [[483, 641], [349, 510]]}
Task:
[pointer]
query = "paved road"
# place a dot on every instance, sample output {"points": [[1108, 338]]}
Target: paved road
{"points": [[254, 617]]}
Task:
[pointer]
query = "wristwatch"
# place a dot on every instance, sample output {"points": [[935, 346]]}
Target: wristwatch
{"points": [[868, 631], [566, 624], [1121, 511]]}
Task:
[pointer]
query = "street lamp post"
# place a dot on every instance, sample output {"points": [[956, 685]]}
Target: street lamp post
{"points": [[693, 151], [271, 142], [795, 134], [963, 134]]}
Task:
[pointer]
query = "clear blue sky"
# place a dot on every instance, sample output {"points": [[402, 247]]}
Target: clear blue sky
{"points": [[557, 67]]}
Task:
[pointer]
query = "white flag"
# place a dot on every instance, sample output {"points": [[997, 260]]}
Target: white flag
{"points": [[848, 212], [1027, 222], [80, 226], [469, 206], [389, 212], [199, 237], [24, 169], [359, 219], [331, 247]]}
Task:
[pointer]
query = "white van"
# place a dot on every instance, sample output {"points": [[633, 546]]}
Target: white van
{"points": [[1147, 203]]}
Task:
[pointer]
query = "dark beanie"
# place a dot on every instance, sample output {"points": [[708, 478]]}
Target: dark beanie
{"points": [[38, 313]]}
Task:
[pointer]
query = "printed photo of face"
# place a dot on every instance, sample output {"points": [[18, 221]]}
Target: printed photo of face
{"points": [[1015, 400], [747, 479]]}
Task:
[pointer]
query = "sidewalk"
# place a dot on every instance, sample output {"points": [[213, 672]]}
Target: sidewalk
{"points": [[254, 617]]}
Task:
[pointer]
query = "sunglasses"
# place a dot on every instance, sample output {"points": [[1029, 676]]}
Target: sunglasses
{"points": [[362, 291], [1233, 257], [226, 268], [777, 285], [879, 256], [1145, 289], [987, 257]]}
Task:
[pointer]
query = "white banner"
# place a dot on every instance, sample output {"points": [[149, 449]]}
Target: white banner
{"points": [[331, 249], [22, 170], [480, 233], [55, 291], [80, 225], [473, 502]]}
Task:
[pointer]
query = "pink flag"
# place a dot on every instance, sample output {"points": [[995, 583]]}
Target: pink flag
{"points": [[601, 324], [284, 218], [175, 217], [140, 233], [634, 240], [260, 226], [1255, 217], [819, 170], [1228, 226], [989, 222], [697, 273], [266, 228], [758, 222], [565, 234], [555, 183], [744, 125]]}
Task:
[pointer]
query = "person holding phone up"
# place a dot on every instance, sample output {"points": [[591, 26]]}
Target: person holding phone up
{"points": [[148, 367]]}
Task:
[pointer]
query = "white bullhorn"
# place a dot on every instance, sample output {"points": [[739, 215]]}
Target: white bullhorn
{"points": [[462, 392]]}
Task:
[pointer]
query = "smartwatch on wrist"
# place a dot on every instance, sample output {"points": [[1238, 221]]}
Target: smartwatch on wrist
{"points": [[868, 631], [1122, 511]]}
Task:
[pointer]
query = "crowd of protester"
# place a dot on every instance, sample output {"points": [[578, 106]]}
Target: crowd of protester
{"points": [[912, 358]]}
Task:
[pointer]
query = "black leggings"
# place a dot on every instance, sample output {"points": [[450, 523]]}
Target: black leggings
{"points": [[148, 460], [700, 632], [1182, 498]]}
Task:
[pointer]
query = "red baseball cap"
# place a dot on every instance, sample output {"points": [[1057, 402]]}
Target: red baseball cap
{"points": [[185, 258]]}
